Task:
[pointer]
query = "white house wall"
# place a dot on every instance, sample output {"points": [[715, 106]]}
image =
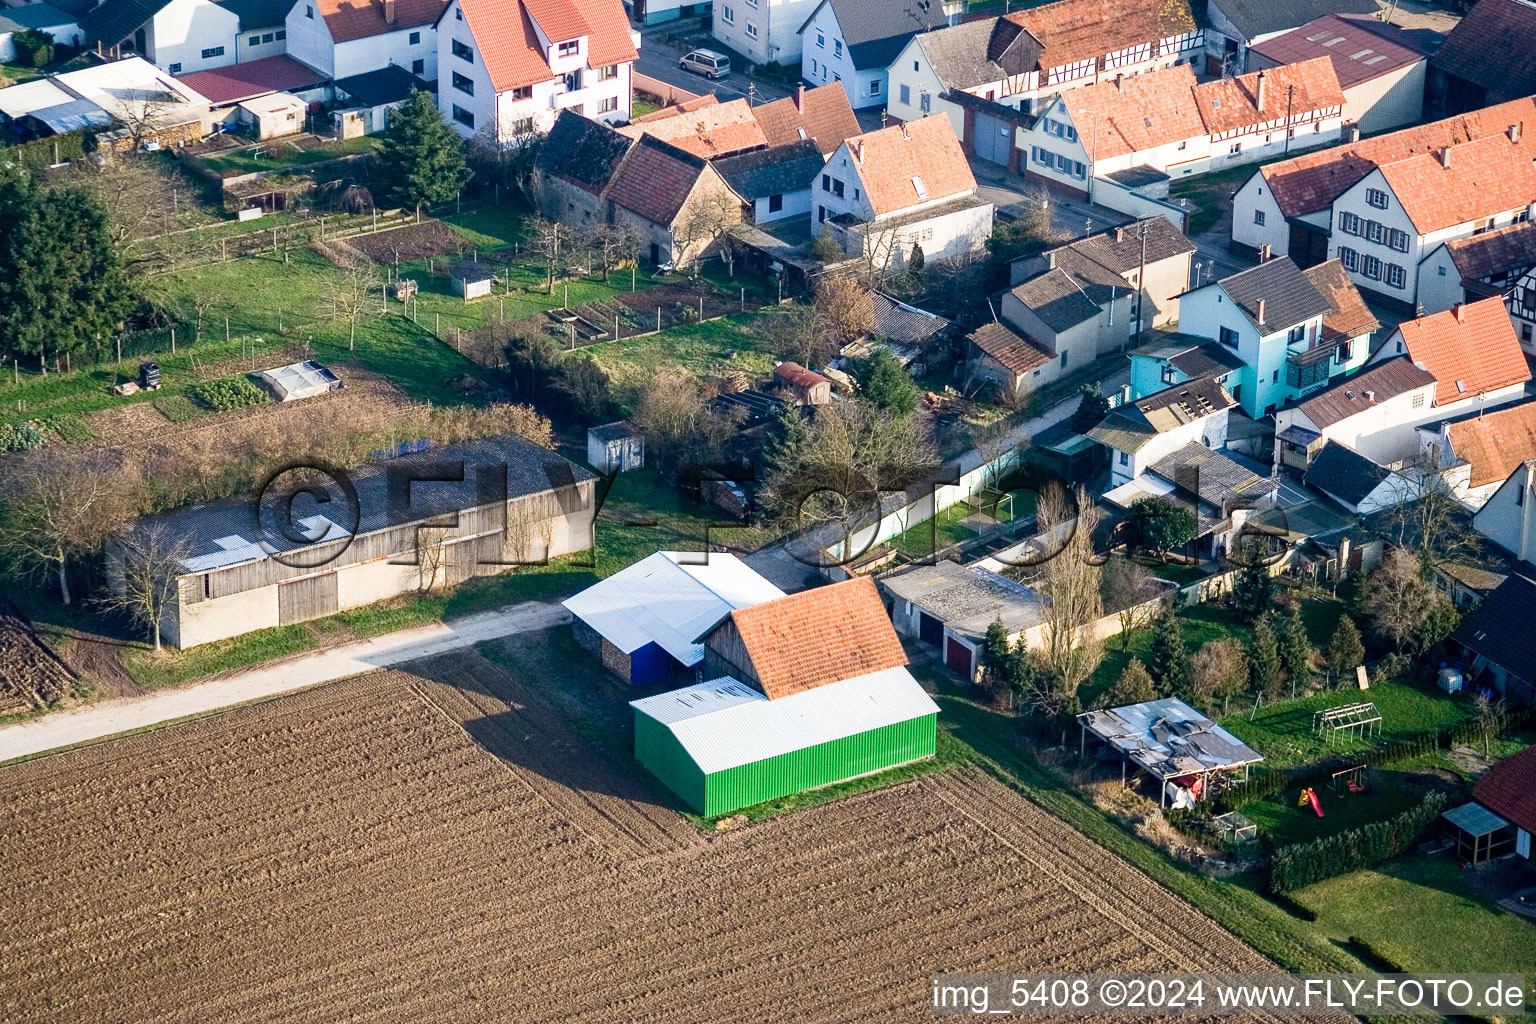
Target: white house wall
{"points": [[796, 204], [1440, 286], [176, 38], [911, 77], [309, 40], [777, 22], [1387, 101], [821, 63], [270, 41]]}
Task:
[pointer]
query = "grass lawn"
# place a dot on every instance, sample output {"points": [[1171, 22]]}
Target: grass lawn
{"points": [[491, 227], [707, 349], [244, 161], [922, 539], [1423, 914], [1283, 731], [1289, 821], [1209, 192]]}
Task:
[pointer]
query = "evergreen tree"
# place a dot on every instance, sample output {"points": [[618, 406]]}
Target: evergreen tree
{"points": [[421, 160], [1295, 649], [1264, 660], [1170, 659], [1253, 591], [1091, 408], [1020, 672], [63, 287], [1345, 651], [825, 248], [784, 437], [1133, 687], [995, 652], [916, 261], [885, 383]]}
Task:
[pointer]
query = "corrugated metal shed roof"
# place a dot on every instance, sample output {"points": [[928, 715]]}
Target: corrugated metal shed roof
{"points": [[1167, 736], [670, 598], [724, 723]]}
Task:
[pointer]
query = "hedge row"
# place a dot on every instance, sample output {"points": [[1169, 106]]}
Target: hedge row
{"points": [[1265, 784], [43, 153], [1303, 864]]}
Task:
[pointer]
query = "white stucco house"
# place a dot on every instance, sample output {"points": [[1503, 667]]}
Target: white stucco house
{"points": [[1497, 262], [342, 38], [1471, 350], [507, 69], [177, 36], [1148, 430], [763, 31], [61, 26], [854, 41], [890, 192], [1382, 205], [1374, 412]]}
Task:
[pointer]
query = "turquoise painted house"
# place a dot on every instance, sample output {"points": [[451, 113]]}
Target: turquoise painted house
{"points": [[1280, 332]]}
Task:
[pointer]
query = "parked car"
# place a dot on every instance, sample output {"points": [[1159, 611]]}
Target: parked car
{"points": [[707, 63]]}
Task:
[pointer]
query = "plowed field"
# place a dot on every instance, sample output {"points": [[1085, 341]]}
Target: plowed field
{"points": [[440, 845]]}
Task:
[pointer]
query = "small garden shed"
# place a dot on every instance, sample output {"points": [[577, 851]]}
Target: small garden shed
{"points": [[803, 691], [471, 280], [615, 448]]}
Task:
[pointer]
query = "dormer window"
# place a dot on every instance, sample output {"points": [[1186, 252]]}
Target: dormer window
{"points": [[569, 48], [922, 190]]}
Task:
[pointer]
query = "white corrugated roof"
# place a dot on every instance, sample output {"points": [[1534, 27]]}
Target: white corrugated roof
{"points": [[21, 100], [725, 723], [670, 598]]}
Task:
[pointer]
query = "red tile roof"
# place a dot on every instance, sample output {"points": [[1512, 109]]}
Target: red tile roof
{"points": [[1508, 789], [1495, 443], [509, 44], [1014, 353], [710, 130], [1074, 30], [1314, 180], [258, 78], [892, 161], [823, 114], [707, 100], [1348, 315], [655, 180], [1295, 90], [1479, 49], [357, 19], [798, 375], [1137, 113], [1360, 51], [819, 636], [1464, 183], [1477, 348]]}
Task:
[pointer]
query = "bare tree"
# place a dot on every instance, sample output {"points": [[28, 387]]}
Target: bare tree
{"points": [[142, 113], [705, 224], [143, 198], [614, 245], [1129, 590], [431, 557], [1074, 603], [528, 534], [1400, 597], [143, 571], [62, 509], [1488, 716], [357, 296], [550, 240], [1431, 520], [842, 311], [1219, 669]]}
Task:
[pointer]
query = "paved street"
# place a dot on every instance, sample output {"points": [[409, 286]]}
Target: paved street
{"points": [[109, 717], [659, 60]]}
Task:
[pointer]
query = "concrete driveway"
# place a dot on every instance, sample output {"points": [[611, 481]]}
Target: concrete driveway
{"points": [[658, 58]]}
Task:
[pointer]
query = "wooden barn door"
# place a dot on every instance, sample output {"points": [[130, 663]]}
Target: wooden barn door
{"points": [[958, 657], [309, 598]]}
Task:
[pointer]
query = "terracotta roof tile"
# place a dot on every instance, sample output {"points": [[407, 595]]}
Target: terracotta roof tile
{"points": [[509, 44], [707, 100], [1017, 354], [1312, 181], [823, 114], [1494, 443], [1348, 316], [1139, 113], [1464, 183], [655, 180], [356, 19], [1074, 30], [716, 129], [1508, 789], [1478, 349], [819, 636], [1232, 104], [893, 161], [1479, 48]]}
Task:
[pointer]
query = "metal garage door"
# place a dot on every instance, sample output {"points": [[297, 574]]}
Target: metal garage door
{"points": [[309, 598], [930, 629], [992, 140], [958, 657]]}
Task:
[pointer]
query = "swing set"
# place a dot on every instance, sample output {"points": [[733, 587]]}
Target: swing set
{"points": [[1353, 780]]}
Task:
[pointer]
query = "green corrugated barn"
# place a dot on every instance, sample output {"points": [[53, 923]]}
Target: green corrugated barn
{"points": [[723, 745]]}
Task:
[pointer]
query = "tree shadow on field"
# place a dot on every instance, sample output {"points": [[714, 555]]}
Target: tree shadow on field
{"points": [[514, 721]]}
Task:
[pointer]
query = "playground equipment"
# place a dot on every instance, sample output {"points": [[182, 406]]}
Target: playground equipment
{"points": [[1359, 721], [1352, 778], [1310, 797]]}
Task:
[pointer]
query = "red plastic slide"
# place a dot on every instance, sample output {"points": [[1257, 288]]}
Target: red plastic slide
{"points": [[1312, 799]]}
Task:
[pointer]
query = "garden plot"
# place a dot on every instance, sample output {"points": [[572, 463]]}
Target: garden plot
{"points": [[440, 829], [30, 676], [412, 242]]}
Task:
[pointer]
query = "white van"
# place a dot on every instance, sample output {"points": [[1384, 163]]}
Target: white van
{"points": [[707, 63]]}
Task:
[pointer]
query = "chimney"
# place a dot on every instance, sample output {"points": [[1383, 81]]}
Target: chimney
{"points": [[389, 11], [1120, 80], [800, 98], [1352, 132], [1259, 90], [1119, 234], [1460, 309], [1445, 156], [1370, 396], [1050, 259], [858, 150], [1261, 311], [1514, 132], [1265, 252]]}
